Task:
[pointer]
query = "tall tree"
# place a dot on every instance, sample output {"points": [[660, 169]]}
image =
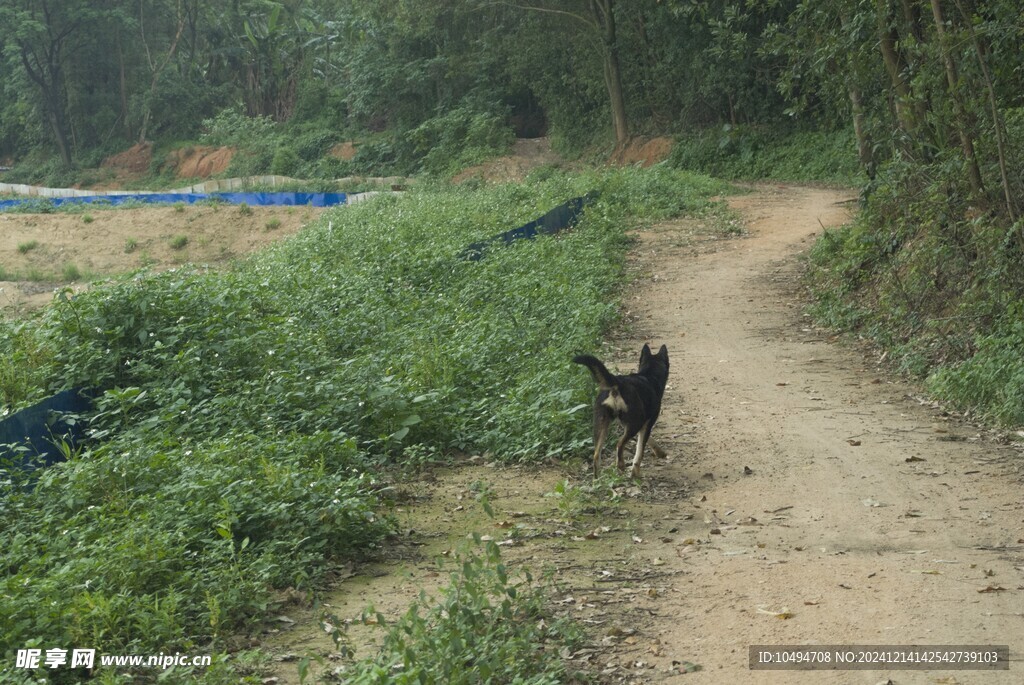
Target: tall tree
{"points": [[157, 63], [597, 18], [43, 33]]}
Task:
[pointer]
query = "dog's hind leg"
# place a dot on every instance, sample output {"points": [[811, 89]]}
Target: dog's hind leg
{"points": [[656, 448], [642, 438], [620, 447], [601, 422]]}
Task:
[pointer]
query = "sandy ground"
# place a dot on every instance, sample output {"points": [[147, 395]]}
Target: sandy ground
{"points": [[37, 251], [808, 497]]}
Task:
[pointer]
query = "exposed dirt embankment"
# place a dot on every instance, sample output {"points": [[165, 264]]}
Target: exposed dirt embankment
{"points": [[42, 252]]}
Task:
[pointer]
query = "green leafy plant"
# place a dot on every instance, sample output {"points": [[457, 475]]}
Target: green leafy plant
{"points": [[487, 627]]}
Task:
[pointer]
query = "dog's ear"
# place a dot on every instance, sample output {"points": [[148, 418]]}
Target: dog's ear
{"points": [[663, 352], [645, 354]]}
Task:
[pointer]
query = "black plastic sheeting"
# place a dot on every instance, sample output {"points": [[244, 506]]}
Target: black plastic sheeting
{"points": [[563, 216], [28, 438]]}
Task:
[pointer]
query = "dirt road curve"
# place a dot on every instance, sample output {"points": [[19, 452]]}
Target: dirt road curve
{"points": [[805, 498], [877, 520]]}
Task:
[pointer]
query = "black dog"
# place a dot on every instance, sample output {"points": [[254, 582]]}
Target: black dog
{"points": [[633, 399]]}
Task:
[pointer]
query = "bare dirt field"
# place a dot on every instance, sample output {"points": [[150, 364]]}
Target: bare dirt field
{"points": [[808, 496], [40, 253]]}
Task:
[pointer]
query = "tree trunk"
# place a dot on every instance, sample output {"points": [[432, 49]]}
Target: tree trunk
{"points": [[962, 123], [894, 67], [1011, 207], [867, 160], [157, 69], [603, 12], [48, 78], [123, 77]]}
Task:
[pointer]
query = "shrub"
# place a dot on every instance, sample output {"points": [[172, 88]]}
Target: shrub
{"points": [[486, 628], [70, 272], [285, 162]]}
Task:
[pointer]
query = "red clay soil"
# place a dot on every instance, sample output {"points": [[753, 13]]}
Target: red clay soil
{"points": [[135, 160], [643, 151], [201, 161]]}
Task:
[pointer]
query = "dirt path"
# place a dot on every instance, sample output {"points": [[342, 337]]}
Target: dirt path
{"points": [[806, 497], [877, 519]]}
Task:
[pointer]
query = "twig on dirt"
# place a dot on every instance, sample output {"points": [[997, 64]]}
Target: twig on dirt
{"points": [[634, 579]]}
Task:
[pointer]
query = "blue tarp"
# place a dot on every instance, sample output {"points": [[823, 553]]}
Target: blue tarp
{"points": [[35, 429], [254, 199]]}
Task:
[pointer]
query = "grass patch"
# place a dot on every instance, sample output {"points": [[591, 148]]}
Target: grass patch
{"points": [[130, 245], [27, 246], [179, 242], [246, 417], [87, 219], [273, 224], [71, 272]]}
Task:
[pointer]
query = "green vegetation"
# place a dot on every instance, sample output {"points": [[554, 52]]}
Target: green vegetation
{"points": [[932, 268], [87, 218], [130, 245], [425, 89], [486, 628], [752, 152], [27, 246], [179, 242], [71, 272], [243, 414], [272, 224]]}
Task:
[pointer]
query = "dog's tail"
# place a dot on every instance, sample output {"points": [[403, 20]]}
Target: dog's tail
{"points": [[602, 376]]}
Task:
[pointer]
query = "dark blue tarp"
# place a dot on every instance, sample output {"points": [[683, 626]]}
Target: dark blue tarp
{"points": [[563, 216], [254, 199], [36, 429]]}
